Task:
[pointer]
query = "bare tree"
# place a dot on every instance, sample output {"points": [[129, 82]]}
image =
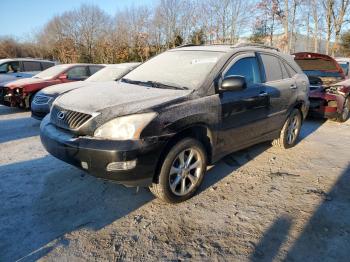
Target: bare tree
{"points": [[340, 8]]}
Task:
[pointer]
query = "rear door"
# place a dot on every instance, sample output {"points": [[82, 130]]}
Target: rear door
{"points": [[280, 87], [243, 112]]}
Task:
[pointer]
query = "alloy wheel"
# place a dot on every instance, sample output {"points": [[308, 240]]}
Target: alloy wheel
{"points": [[293, 129], [185, 171]]}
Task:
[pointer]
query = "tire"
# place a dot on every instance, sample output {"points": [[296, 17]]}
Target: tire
{"points": [[346, 111], [185, 181], [291, 128]]}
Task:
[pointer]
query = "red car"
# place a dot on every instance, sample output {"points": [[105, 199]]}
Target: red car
{"points": [[329, 88], [20, 92]]}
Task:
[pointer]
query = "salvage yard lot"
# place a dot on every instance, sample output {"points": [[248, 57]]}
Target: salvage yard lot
{"points": [[257, 204]]}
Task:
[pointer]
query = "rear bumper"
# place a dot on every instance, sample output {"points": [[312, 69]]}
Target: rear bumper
{"points": [[94, 155], [320, 107]]}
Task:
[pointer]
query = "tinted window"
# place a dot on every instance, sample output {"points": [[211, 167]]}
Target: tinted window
{"points": [[272, 67], [285, 74], [46, 65], [247, 67], [77, 73], [10, 67], [94, 69], [30, 66], [291, 71]]}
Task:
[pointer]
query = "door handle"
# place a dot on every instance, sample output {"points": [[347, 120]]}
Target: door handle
{"points": [[293, 86]]}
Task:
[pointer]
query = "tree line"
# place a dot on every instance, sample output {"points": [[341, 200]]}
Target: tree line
{"points": [[89, 34]]}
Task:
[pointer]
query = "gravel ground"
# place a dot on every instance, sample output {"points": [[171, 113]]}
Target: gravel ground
{"points": [[260, 204]]}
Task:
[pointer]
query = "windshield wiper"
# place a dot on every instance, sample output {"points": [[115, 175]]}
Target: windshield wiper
{"points": [[136, 82], [154, 84], [161, 85]]}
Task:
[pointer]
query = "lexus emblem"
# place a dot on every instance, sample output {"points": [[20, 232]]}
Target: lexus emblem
{"points": [[60, 115]]}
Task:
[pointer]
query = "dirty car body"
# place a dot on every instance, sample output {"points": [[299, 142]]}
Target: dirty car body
{"points": [[44, 99], [124, 132], [20, 93], [329, 88]]}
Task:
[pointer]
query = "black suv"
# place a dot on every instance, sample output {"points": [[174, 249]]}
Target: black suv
{"points": [[164, 122]]}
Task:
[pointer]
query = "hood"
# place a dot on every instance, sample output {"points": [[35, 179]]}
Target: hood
{"points": [[117, 97], [25, 81], [59, 89]]}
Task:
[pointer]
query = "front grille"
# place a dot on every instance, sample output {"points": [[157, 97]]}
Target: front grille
{"points": [[41, 100], [68, 119]]}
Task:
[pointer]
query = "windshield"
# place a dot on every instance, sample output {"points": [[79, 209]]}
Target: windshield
{"points": [[183, 69], [322, 73], [109, 73], [51, 72]]}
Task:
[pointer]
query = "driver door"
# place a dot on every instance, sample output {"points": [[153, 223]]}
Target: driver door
{"points": [[243, 113]]}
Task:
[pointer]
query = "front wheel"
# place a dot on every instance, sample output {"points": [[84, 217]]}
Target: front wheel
{"points": [[182, 171], [290, 131], [346, 111]]}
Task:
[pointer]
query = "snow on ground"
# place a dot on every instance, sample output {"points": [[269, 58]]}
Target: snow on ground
{"points": [[260, 204]]}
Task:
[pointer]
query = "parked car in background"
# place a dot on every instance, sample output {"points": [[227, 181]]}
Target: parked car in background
{"points": [[43, 100], [329, 92], [169, 118], [344, 62], [21, 92], [11, 69]]}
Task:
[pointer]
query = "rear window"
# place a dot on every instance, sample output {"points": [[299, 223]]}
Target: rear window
{"points": [[30, 66], [272, 67]]}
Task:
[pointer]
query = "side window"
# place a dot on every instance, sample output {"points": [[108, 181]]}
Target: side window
{"points": [[247, 67], [46, 65], [291, 71], [77, 73], [272, 67], [94, 69], [285, 74], [30, 66], [10, 67]]}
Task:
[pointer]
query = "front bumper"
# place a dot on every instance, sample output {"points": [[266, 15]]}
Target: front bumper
{"points": [[94, 155], [39, 111]]}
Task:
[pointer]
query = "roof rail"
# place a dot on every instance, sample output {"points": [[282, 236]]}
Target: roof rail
{"points": [[185, 45], [256, 45]]}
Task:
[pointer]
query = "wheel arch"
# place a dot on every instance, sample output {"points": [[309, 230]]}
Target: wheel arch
{"points": [[198, 131]]}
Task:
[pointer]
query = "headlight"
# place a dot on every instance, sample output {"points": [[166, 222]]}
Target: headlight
{"points": [[125, 127]]}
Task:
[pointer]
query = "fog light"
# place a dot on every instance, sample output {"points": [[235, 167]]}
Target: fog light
{"points": [[126, 165], [84, 165]]}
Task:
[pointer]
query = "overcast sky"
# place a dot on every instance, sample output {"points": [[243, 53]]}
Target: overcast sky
{"points": [[20, 18]]}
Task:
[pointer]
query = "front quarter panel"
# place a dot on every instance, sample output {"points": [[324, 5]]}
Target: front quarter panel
{"points": [[200, 111]]}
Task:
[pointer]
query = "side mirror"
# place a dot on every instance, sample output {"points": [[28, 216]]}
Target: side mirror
{"points": [[63, 77], [233, 83]]}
